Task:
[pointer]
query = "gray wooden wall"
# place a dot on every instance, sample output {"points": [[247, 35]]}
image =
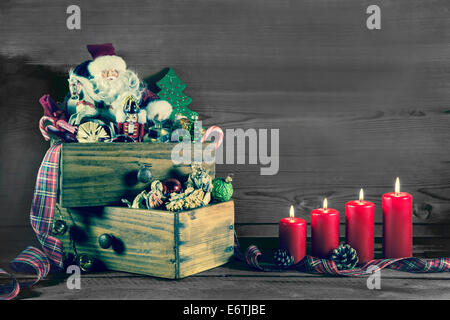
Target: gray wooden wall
{"points": [[355, 108]]}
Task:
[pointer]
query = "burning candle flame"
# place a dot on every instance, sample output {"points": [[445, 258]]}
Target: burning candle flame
{"points": [[291, 213], [325, 205], [397, 186], [361, 195]]}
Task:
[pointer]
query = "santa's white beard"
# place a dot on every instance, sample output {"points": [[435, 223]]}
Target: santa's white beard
{"points": [[109, 91]]}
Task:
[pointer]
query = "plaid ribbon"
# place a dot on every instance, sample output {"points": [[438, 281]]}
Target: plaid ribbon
{"points": [[41, 217], [311, 264]]}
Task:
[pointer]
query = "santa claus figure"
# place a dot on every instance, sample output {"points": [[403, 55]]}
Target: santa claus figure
{"points": [[100, 87]]}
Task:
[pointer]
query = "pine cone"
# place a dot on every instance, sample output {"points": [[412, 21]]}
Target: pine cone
{"points": [[345, 257], [283, 258]]}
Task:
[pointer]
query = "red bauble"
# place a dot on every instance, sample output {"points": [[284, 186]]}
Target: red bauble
{"points": [[172, 185]]}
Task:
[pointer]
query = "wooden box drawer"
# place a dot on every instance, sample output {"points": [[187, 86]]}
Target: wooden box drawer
{"points": [[99, 174], [153, 242]]}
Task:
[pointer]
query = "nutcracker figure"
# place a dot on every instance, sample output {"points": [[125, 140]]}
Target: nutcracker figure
{"points": [[132, 121]]}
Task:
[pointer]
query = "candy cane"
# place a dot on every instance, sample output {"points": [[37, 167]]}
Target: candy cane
{"points": [[211, 130], [64, 125], [42, 127], [45, 122]]}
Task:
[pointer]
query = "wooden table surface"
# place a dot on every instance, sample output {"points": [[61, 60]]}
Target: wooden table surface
{"points": [[355, 107], [233, 281]]}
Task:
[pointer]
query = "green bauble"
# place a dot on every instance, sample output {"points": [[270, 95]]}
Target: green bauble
{"points": [[222, 189]]}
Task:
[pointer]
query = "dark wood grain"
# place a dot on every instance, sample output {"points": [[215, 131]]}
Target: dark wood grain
{"points": [[160, 243], [355, 108], [255, 286], [426, 230], [143, 243], [233, 281], [98, 174], [205, 238], [423, 247]]}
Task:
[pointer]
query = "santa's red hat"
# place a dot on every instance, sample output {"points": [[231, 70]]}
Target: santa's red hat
{"points": [[105, 58]]}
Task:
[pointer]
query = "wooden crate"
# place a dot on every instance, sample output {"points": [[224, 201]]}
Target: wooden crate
{"points": [[99, 174], [153, 242]]}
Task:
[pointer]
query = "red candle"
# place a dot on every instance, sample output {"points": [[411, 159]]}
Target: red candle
{"points": [[292, 236], [324, 231], [359, 217], [397, 223]]}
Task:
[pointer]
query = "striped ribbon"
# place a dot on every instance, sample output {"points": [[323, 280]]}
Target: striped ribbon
{"points": [[41, 218], [253, 255], [48, 122]]}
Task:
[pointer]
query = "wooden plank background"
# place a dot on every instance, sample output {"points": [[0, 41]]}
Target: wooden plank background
{"points": [[355, 108]]}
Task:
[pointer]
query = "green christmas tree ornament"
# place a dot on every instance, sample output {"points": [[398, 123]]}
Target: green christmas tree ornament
{"points": [[222, 189], [171, 89]]}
